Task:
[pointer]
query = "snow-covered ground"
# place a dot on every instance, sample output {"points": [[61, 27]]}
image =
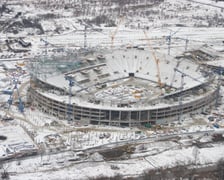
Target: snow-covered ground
{"points": [[155, 155], [60, 144], [17, 142]]}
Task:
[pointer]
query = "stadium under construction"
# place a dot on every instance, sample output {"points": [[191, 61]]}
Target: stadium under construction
{"points": [[122, 87]]}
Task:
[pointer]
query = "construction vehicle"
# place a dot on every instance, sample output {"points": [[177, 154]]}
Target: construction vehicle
{"points": [[216, 125]]}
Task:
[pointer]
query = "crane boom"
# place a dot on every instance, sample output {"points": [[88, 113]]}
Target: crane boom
{"points": [[115, 32], [155, 59], [184, 74]]}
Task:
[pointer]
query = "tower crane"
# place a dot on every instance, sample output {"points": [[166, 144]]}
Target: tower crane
{"points": [[87, 27], [46, 43], [181, 97], [219, 85], [71, 84], [10, 100], [182, 88], [113, 34], [168, 39], [155, 59]]}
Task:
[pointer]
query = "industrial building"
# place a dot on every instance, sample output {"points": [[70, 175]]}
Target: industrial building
{"points": [[123, 87]]}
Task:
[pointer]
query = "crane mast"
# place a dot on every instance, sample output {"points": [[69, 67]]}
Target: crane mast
{"points": [[169, 37], [71, 84]]}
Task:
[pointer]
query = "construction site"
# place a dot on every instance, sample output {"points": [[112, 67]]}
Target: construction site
{"points": [[111, 89], [125, 87]]}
